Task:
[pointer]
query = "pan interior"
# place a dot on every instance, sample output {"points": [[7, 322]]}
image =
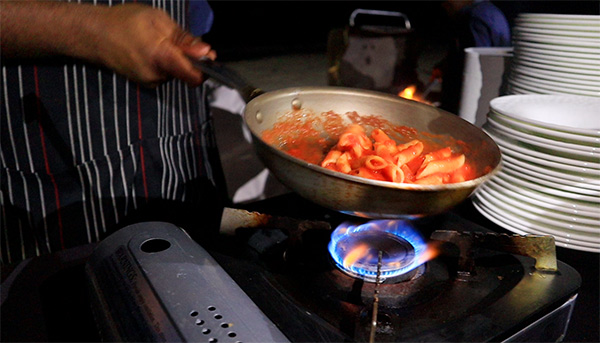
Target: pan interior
{"points": [[310, 105], [354, 194]]}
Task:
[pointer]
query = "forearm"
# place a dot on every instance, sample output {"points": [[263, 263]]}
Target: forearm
{"points": [[137, 41], [49, 28]]}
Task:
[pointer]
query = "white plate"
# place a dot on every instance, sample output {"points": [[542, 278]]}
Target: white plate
{"points": [[589, 81], [524, 171], [567, 113], [553, 174], [584, 152], [592, 59], [516, 228], [520, 148], [568, 206], [518, 133], [583, 42], [516, 89], [533, 227], [524, 174], [566, 62], [556, 67], [574, 50], [552, 83], [565, 168], [541, 86], [534, 221], [513, 89], [557, 31], [590, 29], [580, 198], [553, 211], [572, 157], [578, 227], [557, 50], [560, 19], [550, 53], [533, 129]]}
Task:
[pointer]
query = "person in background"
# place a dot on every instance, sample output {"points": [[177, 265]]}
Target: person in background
{"points": [[475, 23], [103, 122]]}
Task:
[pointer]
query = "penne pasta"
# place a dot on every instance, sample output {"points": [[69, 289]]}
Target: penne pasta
{"points": [[331, 158], [408, 154], [379, 136], [343, 164], [393, 173], [375, 162], [378, 157], [438, 155], [386, 151], [445, 166]]}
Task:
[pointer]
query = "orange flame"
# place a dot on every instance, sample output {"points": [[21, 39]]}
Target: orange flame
{"points": [[410, 93], [433, 250], [355, 254]]}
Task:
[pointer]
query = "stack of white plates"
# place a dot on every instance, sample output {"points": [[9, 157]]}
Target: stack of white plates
{"points": [[549, 183], [556, 54]]}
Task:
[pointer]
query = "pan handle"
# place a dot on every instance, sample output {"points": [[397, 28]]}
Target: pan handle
{"points": [[227, 77]]}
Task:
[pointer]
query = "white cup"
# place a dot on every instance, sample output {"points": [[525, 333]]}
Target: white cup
{"points": [[483, 79]]}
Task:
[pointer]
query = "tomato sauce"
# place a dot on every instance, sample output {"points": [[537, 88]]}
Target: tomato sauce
{"points": [[310, 138]]}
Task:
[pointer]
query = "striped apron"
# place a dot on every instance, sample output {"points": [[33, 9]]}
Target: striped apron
{"points": [[85, 151]]}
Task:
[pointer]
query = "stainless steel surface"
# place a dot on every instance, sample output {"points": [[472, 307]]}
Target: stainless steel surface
{"points": [[150, 282], [360, 11], [351, 194], [228, 77], [355, 195]]}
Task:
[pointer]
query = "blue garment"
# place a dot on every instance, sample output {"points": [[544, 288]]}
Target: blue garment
{"points": [[486, 24], [200, 17], [479, 24]]}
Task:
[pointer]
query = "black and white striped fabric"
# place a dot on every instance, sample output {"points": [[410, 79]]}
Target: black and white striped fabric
{"points": [[85, 151]]}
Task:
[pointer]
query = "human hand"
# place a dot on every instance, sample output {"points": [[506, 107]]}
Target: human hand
{"points": [[146, 45]]}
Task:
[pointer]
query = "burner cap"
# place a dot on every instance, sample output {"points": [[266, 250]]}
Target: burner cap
{"points": [[355, 249]]}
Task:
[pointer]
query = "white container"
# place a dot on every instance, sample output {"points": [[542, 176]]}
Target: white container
{"points": [[482, 81]]}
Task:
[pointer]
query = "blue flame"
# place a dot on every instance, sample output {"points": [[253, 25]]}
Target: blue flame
{"points": [[348, 236]]}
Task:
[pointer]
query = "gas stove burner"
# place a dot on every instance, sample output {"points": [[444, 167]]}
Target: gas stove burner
{"points": [[355, 249]]}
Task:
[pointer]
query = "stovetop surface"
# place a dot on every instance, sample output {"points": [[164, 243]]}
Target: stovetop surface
{"points": [[44, 299], [323, 304]]}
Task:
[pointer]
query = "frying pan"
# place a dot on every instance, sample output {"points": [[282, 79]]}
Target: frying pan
{"points": [[352, 194]]}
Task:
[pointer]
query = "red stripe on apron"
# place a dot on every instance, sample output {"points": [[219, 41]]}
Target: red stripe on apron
{"points": [[46, 162], [139, 113]]}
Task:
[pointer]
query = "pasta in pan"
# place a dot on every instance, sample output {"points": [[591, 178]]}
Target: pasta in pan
{"points": [[379, 157]]}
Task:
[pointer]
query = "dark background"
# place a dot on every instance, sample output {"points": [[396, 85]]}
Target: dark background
{"points": [[254, 29]]}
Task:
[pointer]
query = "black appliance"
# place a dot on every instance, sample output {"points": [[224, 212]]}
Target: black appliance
{"points": [[278, 282], [152, 282]]}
